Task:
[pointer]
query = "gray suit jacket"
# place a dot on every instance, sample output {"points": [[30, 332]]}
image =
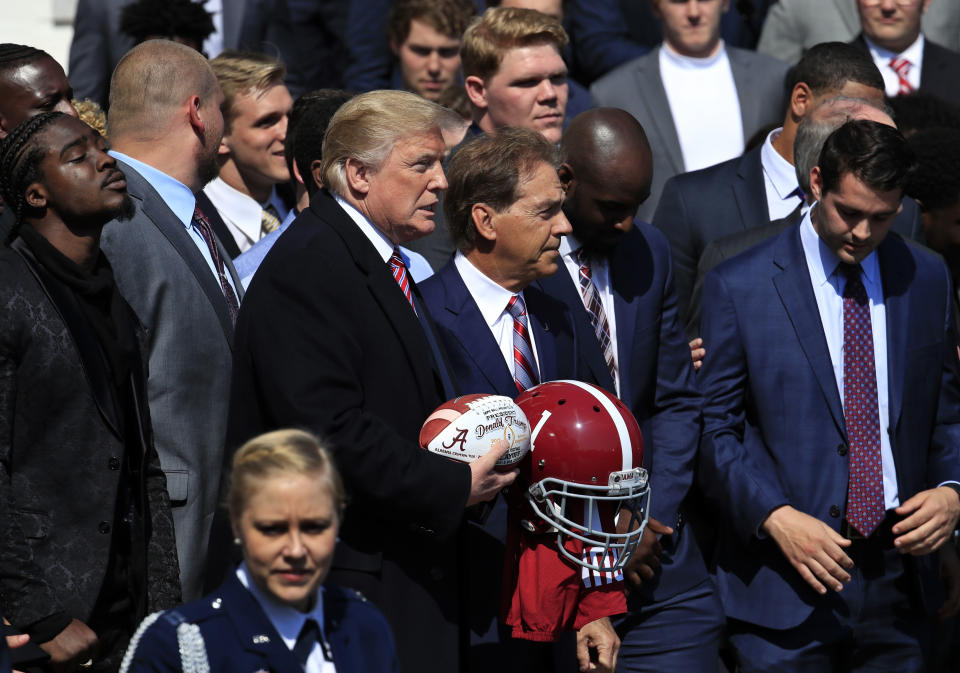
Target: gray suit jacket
{"points": [[637, 88], [98, 44], [167, 281], [793, 26]]}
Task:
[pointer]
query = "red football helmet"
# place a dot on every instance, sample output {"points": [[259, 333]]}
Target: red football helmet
{"points": [[584, 471]]}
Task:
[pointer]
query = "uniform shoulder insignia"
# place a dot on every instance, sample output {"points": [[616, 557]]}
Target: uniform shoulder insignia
{"points": [[353, 593]]}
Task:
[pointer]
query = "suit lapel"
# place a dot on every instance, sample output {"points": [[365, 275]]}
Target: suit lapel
{"points": [[654, 97], [895, 270], [750, 192], [561, 286], [85, 341], [163, 219], [750, 108], [385, 292], [467, 325], [543, 332], [625, 305], [792, 282]]}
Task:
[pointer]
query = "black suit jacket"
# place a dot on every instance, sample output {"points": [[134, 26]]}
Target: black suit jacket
{"points": [[940, 70], [699, 207], [60, 455], [326, 340]]}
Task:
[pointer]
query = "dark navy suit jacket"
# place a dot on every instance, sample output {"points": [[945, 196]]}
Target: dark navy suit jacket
{"points": [[774, 430], [656, 382], [699, 207], [239, 638]]}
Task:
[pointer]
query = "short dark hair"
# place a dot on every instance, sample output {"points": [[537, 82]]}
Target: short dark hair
{"points": [[489, 169], [922, 110], [829, 65], [308, 123], [935, 179], [185, 19], [874, 153], [447, 17], [20, 156], [14, 55]]}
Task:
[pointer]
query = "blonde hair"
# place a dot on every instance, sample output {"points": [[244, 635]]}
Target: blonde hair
{"points": [[244, 73], [366, 128], [277, 453], [150, 81], [500, 29]]}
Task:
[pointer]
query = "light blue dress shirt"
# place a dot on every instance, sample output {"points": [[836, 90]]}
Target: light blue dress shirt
{"points": [[181, 201]]}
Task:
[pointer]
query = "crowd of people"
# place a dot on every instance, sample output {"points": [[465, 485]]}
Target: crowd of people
{"points": [[249, 247]]}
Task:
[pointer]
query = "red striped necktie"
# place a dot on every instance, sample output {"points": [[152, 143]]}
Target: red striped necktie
{"points": [[524, 365], [902, 66], [399, 271]]}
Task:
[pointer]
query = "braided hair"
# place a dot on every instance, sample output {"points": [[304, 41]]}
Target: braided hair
{"points": [[13, 55], [20, 155]]}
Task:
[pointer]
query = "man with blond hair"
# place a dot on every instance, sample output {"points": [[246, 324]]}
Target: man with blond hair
{"points": [[514, 75], [165, 127], [334, 337], [256, 106]]}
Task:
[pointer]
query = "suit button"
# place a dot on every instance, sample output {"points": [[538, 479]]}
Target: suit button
{"points": [[104, 527], [436, 573], [834, 511], [842, 449], [114, 463]]}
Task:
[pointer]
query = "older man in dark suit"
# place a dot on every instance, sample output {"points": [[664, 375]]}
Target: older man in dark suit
{"points": [[87, 547], [334, 336], [831, 440]]}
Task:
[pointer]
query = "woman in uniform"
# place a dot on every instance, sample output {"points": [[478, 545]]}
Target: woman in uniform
{"points": [[274, 613]]}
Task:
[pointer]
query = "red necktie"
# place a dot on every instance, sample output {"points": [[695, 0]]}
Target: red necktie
{"points": [[865, 504], [202, 224], [524, 365], [902, 66], [399, 271], [598, 317]]}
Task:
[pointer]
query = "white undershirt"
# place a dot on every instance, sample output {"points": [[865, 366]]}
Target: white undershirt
{"points": [[882, 57], [492, 299], [704, 105], [600, 274]]}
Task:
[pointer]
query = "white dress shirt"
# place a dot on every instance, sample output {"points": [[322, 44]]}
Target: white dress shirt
{"points": [[882, 57], [181, 201], [241, 212], [704, 106], [780, 180], [828, 285], [492, 300], [414, 262], [600, 274], [289, 621]]}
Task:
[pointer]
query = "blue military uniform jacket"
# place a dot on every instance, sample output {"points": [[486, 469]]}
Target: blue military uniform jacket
{"points": [[236, 636]]}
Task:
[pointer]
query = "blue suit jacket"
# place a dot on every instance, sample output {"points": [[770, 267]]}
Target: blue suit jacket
{"points": [[473, 353], [239, 638], [656, 382], [774, 430], [702, 206]]}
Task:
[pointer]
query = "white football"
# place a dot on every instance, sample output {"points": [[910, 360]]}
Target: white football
{"points": [[468, 427]]}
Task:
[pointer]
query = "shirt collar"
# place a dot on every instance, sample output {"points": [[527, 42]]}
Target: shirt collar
{"points": [[781, 172], [691, 62], [241, 209], [913, 53], [823, 262], [491, 298], [174, 193], [379, 240], [286, 620]]}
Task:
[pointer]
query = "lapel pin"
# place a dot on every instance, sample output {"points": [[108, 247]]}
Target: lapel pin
{"points": [[261, 639]]}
